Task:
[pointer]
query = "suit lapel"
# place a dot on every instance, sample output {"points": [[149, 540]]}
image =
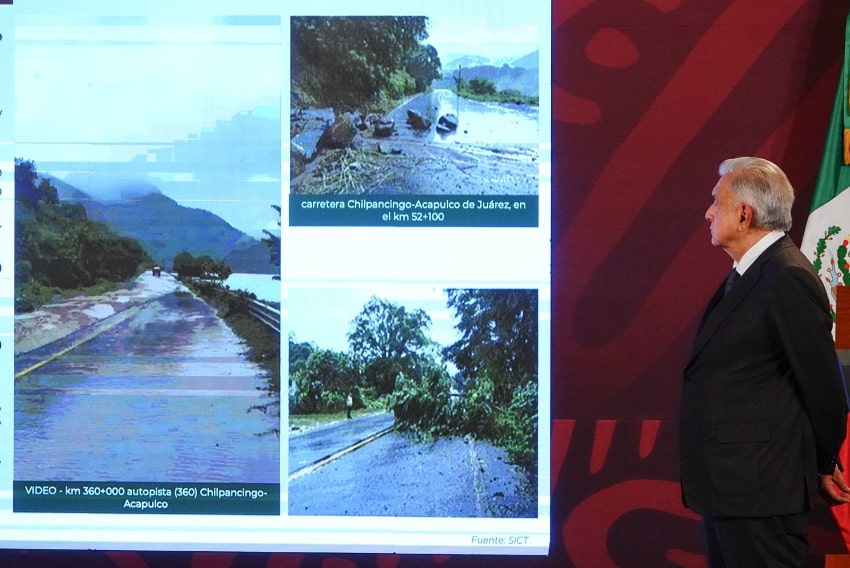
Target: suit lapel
{"points": [[724, 307], [720, 307]]}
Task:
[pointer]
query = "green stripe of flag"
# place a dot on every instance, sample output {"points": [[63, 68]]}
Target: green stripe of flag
{"points": [[825, 241], [834, 174]]}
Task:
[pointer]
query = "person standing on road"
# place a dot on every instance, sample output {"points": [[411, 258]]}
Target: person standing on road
{"points": [[349, 402], [764, 405]]}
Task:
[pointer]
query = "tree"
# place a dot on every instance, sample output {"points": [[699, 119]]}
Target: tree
{"points": [[204, 267], [346, 61], [322, 381], [424, 405], [272, 241], [57, 245], [387, 341], [184, 265], [118, 257], [481, 86], [424, 66], [298, 353], [54, 251], [212, 269], [498, 337], [64, 248], [29, 190], [497, 353]]}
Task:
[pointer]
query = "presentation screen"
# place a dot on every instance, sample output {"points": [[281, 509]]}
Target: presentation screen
{"points": [[275, 276]]}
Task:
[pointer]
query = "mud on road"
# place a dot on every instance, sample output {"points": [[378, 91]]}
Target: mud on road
{"points": [[64, 316], [415, 162]]}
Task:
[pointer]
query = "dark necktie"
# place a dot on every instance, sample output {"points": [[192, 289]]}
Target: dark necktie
{"points": [[730, 280]]}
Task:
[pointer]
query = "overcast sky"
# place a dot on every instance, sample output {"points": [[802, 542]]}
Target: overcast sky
{"points": [[94, 89], [322, 315], [99, 82], [511, 31]]}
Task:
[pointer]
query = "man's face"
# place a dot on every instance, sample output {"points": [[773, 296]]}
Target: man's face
{"points": [[724, 215]]}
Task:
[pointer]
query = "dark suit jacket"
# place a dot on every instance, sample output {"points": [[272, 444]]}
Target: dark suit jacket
{"points": [[763, 401]]}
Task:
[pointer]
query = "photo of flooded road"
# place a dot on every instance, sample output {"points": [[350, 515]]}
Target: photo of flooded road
{"points": [[158, 390]]}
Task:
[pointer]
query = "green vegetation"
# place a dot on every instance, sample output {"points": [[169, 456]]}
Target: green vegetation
{"points": [[388, 341], [360, 63], [350, 171], [485, 90], [272, 241], [391, 362], [59, 249], [203, 267], [497, 361]]}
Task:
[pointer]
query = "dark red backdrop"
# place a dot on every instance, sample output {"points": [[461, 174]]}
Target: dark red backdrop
{"points": [[648, 97]]}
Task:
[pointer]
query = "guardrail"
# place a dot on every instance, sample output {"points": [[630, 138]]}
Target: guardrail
{"points": [[267, 313], [262, 310]]}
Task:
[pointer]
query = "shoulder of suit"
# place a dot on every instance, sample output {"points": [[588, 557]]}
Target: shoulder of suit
{"points": [[786, 250]]}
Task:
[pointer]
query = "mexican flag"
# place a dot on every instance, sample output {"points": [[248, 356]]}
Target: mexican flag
{"points": [[827, 233]]}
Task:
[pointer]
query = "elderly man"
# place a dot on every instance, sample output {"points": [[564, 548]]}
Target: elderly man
{"points": [[764, 406]]}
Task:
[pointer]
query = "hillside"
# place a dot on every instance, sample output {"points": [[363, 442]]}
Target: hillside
{"points": [[165, 228], [520, 75]]}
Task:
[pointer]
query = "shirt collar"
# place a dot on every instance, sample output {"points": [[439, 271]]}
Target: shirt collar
{"points": [[755, 251]]}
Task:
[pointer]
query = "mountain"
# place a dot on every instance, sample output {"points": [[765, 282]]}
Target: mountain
{"points": [[520, 74], [530, 61], [452, 61], [165, 228], [230, 167], [252, 259]]}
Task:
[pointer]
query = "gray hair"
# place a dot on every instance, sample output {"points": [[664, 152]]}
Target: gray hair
{"points": [[762, 185]]}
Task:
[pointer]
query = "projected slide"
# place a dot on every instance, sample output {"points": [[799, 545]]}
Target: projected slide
{"points": [[452, 140], [274, 279], [130, 153], [434, 376]]}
